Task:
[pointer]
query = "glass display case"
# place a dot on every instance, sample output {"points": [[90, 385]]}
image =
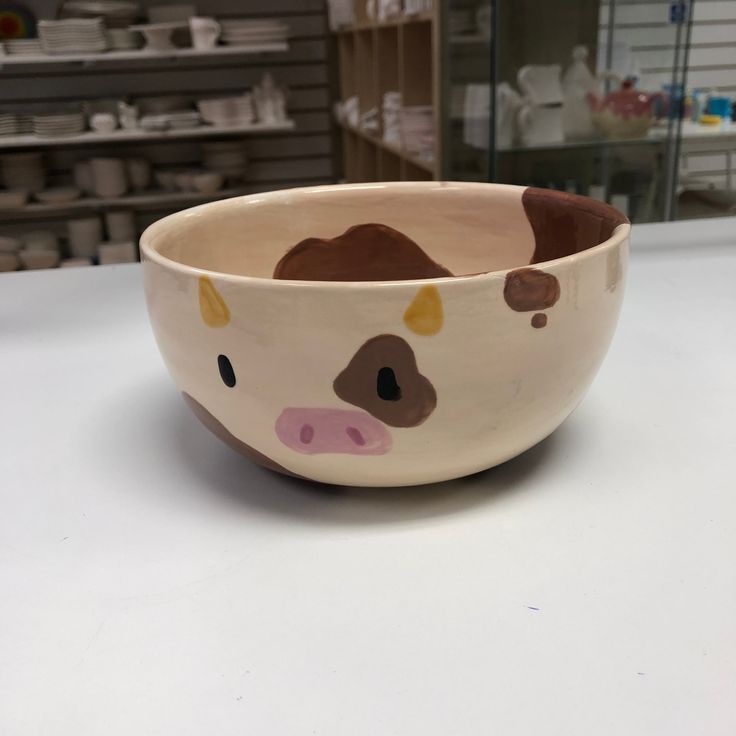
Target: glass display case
{"points": [[575, 95]]}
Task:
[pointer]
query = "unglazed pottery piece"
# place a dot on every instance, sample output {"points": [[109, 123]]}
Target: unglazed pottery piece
{"points": [[386, 334]]}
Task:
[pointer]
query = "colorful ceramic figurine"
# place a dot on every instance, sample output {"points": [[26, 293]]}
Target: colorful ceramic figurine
{"points": [[624, 113]]}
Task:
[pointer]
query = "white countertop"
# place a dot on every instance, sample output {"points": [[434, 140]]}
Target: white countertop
{"points": [[155, 582]]}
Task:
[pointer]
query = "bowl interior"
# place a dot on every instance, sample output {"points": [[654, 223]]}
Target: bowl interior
{"points": [[392, 231]]}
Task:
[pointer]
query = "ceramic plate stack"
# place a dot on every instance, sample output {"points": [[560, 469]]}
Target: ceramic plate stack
{"points": [[417, 129], [224, 111], [54, 125], [244, 32], [171, 121], [226, 157], [24, 171], [73, 36], [23, 47], [25, 123], [8, 123], [117, 13]]}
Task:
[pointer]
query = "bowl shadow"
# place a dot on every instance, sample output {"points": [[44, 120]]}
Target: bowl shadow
{"points": [[217, 469]]}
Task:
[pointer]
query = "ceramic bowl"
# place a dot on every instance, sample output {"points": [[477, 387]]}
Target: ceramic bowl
{"points": [[58, 195], [9, 245], [13, 198], [208, 182], [35, 259], [386, 334], [8, 262]]}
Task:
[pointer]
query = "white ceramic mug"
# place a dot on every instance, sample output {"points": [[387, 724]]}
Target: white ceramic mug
{"points": [[139, 173], [83, 178], [85, 234], [40, 240], [205, 32], [109, 177], [540, 124], [103, 122], [120, 226]]}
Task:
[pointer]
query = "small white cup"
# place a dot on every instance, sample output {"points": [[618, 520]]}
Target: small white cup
{"points": [[120, 226], [139, 173], [205, 32], [109, 177], [103, 122], [85, 234]]}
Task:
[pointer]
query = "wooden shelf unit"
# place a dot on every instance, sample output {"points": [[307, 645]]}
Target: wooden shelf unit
{"points": [[396, 55]]}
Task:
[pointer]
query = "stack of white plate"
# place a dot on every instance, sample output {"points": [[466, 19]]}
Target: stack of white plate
{"points": [[171, 121], [226, 157], [23, 47], [73, 36], [223, 111], [247, 32], [8, 123], [60, 124], [25, 123], [117, 13], [24, 171], [417, 129]]}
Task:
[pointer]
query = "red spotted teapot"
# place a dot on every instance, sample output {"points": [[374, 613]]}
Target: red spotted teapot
{"points": [[624, 113]]}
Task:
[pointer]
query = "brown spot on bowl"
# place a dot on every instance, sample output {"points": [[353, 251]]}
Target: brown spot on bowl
{"points": [[529, 290], [564, 224], [382, 378], [220, 430], [539, 320], [369, 252]]}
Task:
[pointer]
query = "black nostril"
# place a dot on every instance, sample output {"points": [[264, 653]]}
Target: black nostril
{"points": [[386, 386], [306, 434], [355, 435]]}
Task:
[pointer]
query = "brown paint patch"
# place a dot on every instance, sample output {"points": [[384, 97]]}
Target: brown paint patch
{"points": [[529, 290], [219, 429], [539, 320], [408, 403], [425, 314], [368, 252], [564, 223], [212, 307]]}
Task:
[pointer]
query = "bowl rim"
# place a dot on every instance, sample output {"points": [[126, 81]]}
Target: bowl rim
{"points": [[149, 253]]}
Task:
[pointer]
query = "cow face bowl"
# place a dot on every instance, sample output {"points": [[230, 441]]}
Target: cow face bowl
{"points": [[386, 334]]}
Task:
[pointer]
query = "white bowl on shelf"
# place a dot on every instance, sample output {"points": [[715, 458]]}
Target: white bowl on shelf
{"points": [[103, 122], [58, 195], [85, 234], [109, 177], [13, 199], [35, 259], [110, 253], [40, 240], [208, 182], [9, 262], [9, 245], [166, 179], [158, 35]]}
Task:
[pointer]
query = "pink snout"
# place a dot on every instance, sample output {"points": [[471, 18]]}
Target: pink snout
{"points": [[314, 431]]}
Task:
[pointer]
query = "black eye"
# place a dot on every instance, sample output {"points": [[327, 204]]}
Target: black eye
{"points": [[386, 385], [226, 370]]}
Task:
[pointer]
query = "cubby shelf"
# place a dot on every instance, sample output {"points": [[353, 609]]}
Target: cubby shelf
{"points": [[391, 148], [395, 55], [401, 20]]}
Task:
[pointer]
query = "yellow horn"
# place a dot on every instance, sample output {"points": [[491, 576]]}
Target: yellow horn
{"points": [[212, 306], [425, 315]]}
